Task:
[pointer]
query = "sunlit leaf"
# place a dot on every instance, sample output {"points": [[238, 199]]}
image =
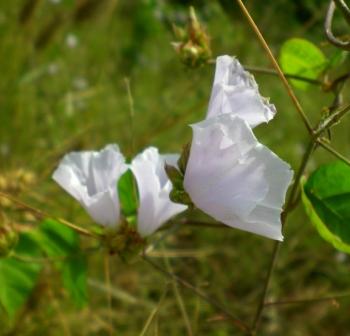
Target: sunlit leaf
{"points": [[326, 197], [301, 57]]}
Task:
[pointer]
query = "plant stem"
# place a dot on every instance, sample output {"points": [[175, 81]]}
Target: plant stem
{"points": [[271, 268], [277, 67], [108, 291], [179, 299], [342, 6], [333, 151], [42, 214], [332, 120], [274, 72], [131, 113], [306, 301], [240, 324], [328, 24], [288, 208]]}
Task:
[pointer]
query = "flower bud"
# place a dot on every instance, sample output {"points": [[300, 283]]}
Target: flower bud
{"points": [[180, 196], [193, 45], [182, 162], [175, 176]]}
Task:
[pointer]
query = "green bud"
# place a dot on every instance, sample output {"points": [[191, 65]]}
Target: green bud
{"points": [[180, 196], [175, 176], [182, 162]]}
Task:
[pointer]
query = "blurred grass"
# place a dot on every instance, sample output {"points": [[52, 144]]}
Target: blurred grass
{"points": [[62, 88]]}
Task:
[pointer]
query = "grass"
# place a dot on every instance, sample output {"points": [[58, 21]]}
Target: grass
{"points": [[55, 98]]}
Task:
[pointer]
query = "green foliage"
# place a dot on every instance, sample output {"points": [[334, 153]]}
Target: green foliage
{"points": [[49, 115], [326, 197], [60, 242], [128, 197], [338, 58], [17, 277], [19, 272], [301, 57]]}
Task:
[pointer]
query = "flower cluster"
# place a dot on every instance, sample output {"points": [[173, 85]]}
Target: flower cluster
{"points": [[92, 178], [226, 172]]}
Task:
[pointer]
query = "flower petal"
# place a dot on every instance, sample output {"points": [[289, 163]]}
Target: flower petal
{"points": [[91, 178], [234, 179], [104, 207], [154, 188], [235, 91]]}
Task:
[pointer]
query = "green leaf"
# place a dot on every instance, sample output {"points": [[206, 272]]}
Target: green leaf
{"points": [[18, 278], [74, 275], [301, 57], [57, 241], [128, 196], [326, 197]]}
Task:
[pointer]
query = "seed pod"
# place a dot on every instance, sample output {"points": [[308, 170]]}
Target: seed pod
{"points": [[193, 45]]}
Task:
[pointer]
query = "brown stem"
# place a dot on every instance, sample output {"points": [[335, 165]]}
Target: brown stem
{"points": [[289, 207], [328, 28], [42, 214], [277, 67], [306, 301], [274, 72]]}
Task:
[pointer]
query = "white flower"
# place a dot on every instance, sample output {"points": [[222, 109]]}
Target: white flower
{"points": [[236, 92], [154, 187], [91, 178], [233, 178]]}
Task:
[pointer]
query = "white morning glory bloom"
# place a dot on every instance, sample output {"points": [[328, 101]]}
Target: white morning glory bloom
{"points": [[235, 179], [154, 187], [91, 178], [236, 92]]}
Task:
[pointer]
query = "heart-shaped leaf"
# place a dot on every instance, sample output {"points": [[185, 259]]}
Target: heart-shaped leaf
{"points": [[326, 197]]}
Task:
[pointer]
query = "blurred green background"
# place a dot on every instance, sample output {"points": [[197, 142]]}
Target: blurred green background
{"points": [[64, 66]]}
